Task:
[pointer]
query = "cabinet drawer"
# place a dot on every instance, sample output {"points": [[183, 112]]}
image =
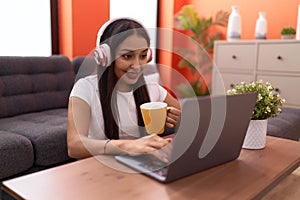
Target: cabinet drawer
{"points": [[230, 80], [287, 86], [235, 56], [279, 57]]}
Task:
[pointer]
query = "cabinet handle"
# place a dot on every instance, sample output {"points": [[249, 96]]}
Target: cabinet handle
{"points": [[232, 85], [279, 57], [233, 56]]}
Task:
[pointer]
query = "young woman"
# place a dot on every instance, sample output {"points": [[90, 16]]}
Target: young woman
{"points": [[103, 114]]}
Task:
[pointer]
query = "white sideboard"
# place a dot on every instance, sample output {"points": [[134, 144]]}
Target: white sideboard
{"points": [[275, 61]]}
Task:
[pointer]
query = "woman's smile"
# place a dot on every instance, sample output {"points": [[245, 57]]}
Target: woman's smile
{"points": [[132, 74]]}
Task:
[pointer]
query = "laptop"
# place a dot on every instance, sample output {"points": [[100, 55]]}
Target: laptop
{"points": [[210, 133]]}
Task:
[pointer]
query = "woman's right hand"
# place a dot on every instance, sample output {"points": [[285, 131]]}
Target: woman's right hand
{"points": [[153, 144]]}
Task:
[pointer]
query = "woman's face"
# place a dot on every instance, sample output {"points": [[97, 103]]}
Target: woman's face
{"points": [[131, 55]]}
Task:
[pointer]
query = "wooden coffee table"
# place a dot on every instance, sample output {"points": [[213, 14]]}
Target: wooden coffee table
{"points": [[251, 176]]}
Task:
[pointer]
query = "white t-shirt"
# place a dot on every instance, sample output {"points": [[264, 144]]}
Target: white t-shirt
{"points": [[87, 89]]}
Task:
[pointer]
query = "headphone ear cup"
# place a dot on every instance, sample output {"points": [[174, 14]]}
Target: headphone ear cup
{"points": [[149, 55], [102, 55]]}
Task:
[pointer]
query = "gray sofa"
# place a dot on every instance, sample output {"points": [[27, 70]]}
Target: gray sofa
{"points": [[286, 124], [34, 94]]}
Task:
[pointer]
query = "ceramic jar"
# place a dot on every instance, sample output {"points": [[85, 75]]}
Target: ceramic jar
{"points": [[261, 26], [234, 24]]}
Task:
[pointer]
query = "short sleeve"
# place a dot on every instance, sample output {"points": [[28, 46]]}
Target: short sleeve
{"points": [[82, 89]]}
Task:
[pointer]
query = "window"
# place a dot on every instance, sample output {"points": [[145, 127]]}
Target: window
{"points": [[26, 28]]}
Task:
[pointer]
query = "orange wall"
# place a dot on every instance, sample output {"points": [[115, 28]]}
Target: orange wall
{"points": [[79, 22], [65, 27], [165, 13], [279, 13]]}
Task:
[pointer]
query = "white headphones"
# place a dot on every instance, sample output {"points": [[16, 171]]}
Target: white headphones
{"points": [[102, 54]]}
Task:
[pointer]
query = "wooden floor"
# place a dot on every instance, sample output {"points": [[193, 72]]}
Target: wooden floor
{"points": [[287, 189]]}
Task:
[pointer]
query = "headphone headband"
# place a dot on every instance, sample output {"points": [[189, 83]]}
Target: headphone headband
{"points": [[102, 54], [106, 24]]}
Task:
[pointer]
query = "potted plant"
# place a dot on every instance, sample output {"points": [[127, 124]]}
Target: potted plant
{"points": [[267, 105], [202, 31], [288, 33]]}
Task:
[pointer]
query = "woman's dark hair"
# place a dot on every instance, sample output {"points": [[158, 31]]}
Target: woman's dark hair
{"points": [[113, 35]]}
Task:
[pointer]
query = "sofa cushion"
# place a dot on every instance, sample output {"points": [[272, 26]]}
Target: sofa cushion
{"points": [[16, 154], [84, 66], [286, 124], [31, 84], [47, 132]]}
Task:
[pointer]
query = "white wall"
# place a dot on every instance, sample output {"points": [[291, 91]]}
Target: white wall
{"points": [[145, 11]]}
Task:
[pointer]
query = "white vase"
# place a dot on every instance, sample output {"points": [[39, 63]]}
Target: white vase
{"points": [[234, 24], [256, 134], [261, 26], [298, 25]]}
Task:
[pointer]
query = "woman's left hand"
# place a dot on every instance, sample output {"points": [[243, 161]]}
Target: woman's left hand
{"points": [[173, 115]]}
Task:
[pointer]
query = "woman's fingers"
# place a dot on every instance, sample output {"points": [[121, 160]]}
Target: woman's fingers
{"points": [[162, 156], [172, 117], [157, 142], [162, 147], [174, 111], [166, 150], [164, 153]]}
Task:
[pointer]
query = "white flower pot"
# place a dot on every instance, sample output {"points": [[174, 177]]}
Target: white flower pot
{"points": [[256, 134], [286, 37]]}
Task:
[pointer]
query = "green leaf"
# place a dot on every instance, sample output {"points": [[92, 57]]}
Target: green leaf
{"points": [[200, 32], [267, 103]]}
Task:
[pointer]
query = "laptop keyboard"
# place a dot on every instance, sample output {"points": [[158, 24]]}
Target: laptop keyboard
{"points": [[153, 164]]}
